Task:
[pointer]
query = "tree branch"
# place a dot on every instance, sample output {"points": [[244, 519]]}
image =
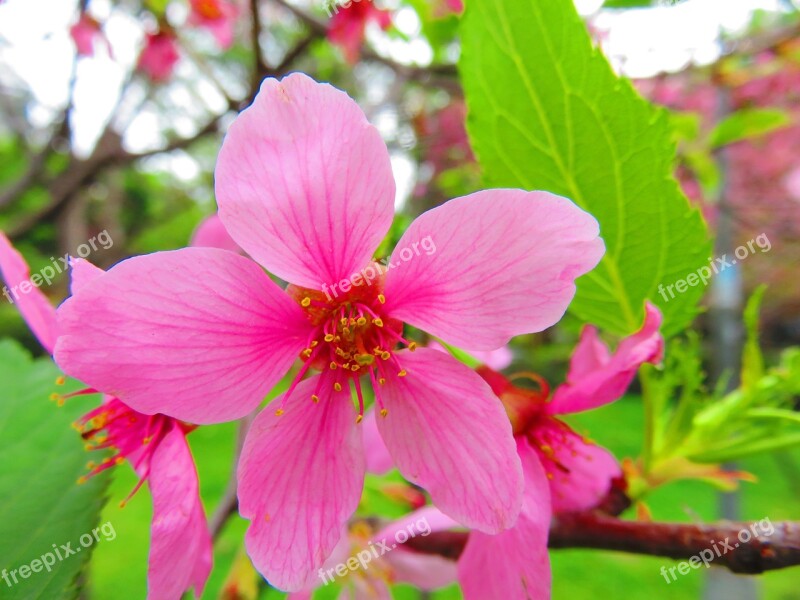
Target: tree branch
{"points": [[679, 541]]}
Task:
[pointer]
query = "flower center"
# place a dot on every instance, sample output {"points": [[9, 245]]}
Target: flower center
{"points": [[352, 337]]}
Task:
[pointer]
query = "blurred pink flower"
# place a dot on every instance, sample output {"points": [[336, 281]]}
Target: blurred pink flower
{"points": [[304, 184], [444, 8], [211, 233], [348, 26], [85, 33], [159, 56], [218, 17], [154, 445]]}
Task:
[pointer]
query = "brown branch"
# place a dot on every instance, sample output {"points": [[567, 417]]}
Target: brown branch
{"points": [[677, 541]]}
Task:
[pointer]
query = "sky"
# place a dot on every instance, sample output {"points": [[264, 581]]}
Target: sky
{"points": [[36, 52]]}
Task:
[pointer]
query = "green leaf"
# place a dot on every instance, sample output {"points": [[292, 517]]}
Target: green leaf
{"points": [[40, 501], [747, 123], [752, 359], [547, 112]]}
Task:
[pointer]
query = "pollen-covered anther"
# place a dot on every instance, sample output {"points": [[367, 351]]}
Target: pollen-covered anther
{"points": [[61, 380], [329, 338], [314, 398], [337, 386], [381, 298], [377, 322], [402, 373], [361, 321], [306, 302], [280, 412], [384, 412], [385, 355], [359, 418], [333, 366], [412, 346]]}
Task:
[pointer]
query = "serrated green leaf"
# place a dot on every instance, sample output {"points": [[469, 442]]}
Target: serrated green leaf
{"points": [[752, 359], [547, 112], [747, 123], [41, 503]]}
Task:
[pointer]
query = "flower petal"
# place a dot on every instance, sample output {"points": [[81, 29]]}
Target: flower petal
{"points": [[448, 433], [304, 182], [300, 479], [32, 304], [481, 269], [595, 379], [584, 472], [198, 334], [513, 565], [81, 274], [379, 461], [211, 233], [180, 544]]}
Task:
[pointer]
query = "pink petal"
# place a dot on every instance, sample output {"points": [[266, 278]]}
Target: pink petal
{"points": [[379, 461], [448, 433], [513, 565], [197, 334], [32, 304], [211, 233], [300, 480], [304, 183], [580, 471], [81, 274], [180, 544], [504, 263], [595, 378]]}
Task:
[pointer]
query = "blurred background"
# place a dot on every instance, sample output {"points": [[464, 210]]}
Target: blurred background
{"points": [[112, 113]]}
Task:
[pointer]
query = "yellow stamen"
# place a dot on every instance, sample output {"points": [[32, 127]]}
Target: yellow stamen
{"points": [[361, 321], [337, 386], [333, 366], [378, 322], [381, 298], [412, 346], [382, 380], [61, 380], [359, 418], [279, 412], [315, 398], [329, 338], [385, 355], [384, 412], [402, 373], [306, 302]]}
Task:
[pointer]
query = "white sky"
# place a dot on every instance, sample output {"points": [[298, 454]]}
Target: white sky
{"points": [[35, 44]]}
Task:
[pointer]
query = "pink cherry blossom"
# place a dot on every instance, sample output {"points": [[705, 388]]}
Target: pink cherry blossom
{"points": [[159, 56], [211, 233], [563, 470], [305, 188], [348, 26], [85, 33], [154, 445], [217, 16]]}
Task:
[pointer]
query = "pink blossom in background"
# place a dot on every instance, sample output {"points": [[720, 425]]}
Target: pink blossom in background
{"points": [[563, 470], [211, 233], [85, 33], [154, 445], [397, 565], [445, 8], [304, 186], [218, 17], [159, 56], [348, 26]]}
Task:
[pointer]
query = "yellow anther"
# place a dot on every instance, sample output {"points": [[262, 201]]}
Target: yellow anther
{"points": [[384, 412], [378, 322], [355, 368], [333, 366], [122, 504], [313, 344], [119, 460], [306, 302], [382, 380], [361, 321], [279, 412], [337, 339], [343, 321], [54, 397], [381, 298], [359, 418], [88, 447], [91, 464], [402, 373], [346, 330], [82, 479], [412, 346], [61, 380], [306, 353], [365, 359], [315, 398], [337, 386], [329, 338], [346, 365], [385, 355], [147, 440]]}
